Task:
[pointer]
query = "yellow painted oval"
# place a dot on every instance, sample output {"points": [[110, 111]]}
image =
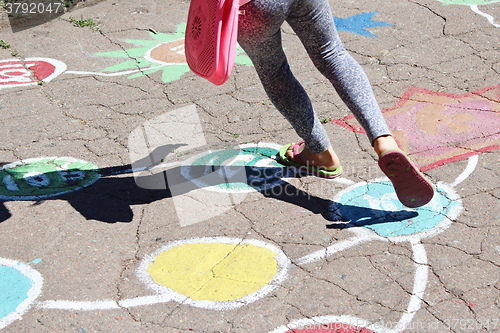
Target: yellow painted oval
{"points": [[214, 271]]}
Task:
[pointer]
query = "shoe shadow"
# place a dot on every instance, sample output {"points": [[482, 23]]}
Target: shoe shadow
{"points": [[345, 216]]}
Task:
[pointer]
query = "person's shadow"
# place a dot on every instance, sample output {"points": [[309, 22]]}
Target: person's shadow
{"points": [[110, 199]]}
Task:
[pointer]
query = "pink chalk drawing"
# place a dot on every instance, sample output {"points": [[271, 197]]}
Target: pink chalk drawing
{"points": [[14, 72], [437, 128]]}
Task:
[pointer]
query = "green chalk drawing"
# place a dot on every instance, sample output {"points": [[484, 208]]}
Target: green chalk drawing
{"points": [[40, 178], [144, 60]]}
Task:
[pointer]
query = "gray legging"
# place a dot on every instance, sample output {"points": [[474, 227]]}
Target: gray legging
{"points": [[312, 20]]}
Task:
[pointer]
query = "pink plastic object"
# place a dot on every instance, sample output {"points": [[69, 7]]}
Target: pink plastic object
{"points": [[211, 37]]}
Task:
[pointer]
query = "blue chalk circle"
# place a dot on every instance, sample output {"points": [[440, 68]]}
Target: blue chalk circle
{"points": [[375, 206]]}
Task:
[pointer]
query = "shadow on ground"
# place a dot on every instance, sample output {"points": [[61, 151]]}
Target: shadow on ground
{"points": [[110, 199]]}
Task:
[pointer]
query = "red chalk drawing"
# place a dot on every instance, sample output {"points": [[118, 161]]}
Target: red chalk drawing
{"points": [[14, 72], [437, 128]]}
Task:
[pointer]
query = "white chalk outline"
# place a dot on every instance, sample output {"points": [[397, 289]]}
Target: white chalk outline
{"points": [[33, 293], [476, 10], [490, 18], [419, 286], [363, 235], [165, 294], [469, 169]]}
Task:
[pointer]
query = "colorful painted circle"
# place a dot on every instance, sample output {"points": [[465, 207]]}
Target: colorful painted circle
{"points": [[20, 285], [40, 178], [248, 168], [216, 273], [375, 206]]}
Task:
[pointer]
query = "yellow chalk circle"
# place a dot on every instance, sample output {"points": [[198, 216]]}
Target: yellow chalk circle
{"points": [[215, 271]]}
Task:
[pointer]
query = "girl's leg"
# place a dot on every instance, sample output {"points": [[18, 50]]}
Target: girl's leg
{"points": [[260, 36], [313, 22]]}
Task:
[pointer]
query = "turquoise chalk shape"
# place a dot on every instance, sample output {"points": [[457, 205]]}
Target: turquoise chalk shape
{"points": [[14, 287], [20, 285], [375, 206], [246, 169]]}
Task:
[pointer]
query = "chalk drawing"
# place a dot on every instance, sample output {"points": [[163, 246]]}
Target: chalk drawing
{"points": [[233, 281], [45, 177], [187, 281], [233, 261], [432, 219], [216, 272], [15, 73], [490, 18], [163, 52], [380, 196], [230, 274], [437, 128], [179, 271], [247, 168], [473, 6], [219, 273], [20, 285], [357, 24]]}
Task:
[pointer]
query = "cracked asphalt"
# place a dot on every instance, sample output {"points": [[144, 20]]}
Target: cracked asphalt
{"points": [[90, 246]]}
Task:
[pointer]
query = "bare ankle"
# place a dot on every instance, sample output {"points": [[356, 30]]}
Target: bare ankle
{"points": [[384, 143], [327, 159]]}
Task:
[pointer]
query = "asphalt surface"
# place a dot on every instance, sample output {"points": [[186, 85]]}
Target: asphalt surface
{"points": [[138, 197]]}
